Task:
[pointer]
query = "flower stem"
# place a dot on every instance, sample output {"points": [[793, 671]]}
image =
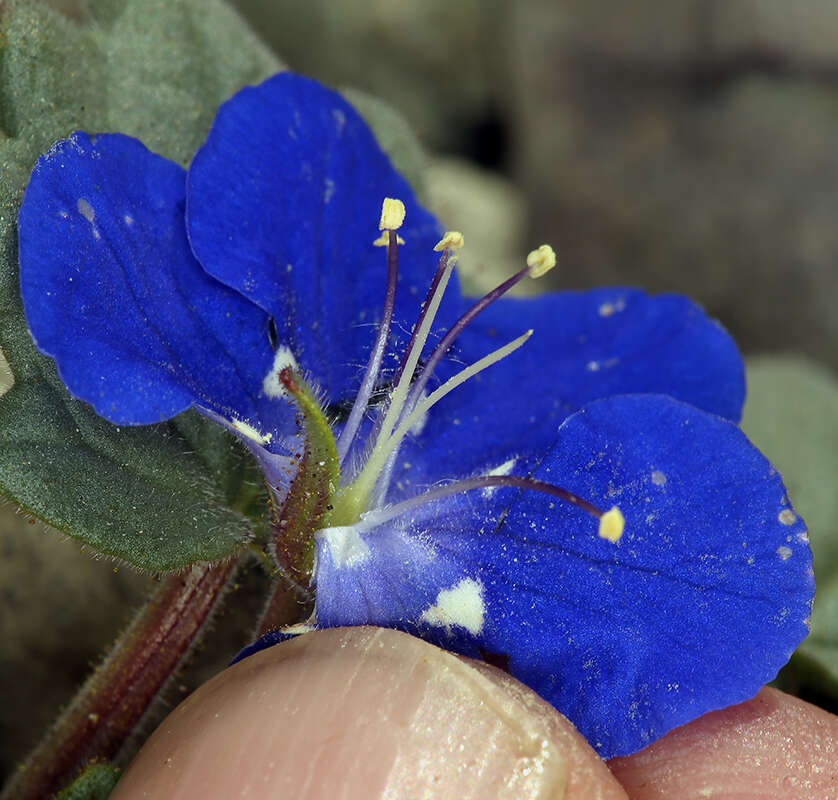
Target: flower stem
{"points": [[285, 606], [115, 697]]}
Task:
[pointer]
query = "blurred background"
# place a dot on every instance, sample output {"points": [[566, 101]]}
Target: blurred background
{"points": [[679, 145], [685, 145]]}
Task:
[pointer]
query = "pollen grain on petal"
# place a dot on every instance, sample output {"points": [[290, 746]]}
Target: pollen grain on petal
{"points": [[787, 516], [452, 240], [784, 552], [392, 214], [541, 261], [611, 524]]}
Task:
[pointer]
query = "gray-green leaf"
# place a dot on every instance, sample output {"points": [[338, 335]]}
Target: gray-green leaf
{"points": [[95, 783], [158, 497], [792, 415]]}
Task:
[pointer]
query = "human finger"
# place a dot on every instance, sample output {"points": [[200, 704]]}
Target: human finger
{"points": [[365, 713], [773, 746]]}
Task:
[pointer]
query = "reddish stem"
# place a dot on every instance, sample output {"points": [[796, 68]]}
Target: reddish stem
{"points": [[116, 696], [286, 606]]}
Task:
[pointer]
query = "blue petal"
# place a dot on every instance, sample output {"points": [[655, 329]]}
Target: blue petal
{"points": [[699, 603], [112, 291], [264, 642], [586, 346], [284, 203]]}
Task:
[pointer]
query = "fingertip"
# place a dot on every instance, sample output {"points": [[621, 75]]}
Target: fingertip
{"points": [[365, 713], [772, 746]]}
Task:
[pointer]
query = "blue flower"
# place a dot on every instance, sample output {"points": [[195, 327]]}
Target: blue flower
{"points": [[584, 509]]}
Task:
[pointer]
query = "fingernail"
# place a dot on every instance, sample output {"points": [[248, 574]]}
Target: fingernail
{"points": [[365, 713]]}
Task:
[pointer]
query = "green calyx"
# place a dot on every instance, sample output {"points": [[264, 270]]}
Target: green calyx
{"points": [[315, 484]]}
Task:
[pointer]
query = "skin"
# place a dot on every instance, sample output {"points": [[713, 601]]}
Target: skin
{"points": [[370, 713]]}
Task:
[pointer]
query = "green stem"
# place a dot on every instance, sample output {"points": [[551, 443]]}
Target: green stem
{"points": [[116, 696]]}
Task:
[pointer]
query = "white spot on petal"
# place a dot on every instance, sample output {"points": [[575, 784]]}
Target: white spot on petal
{"points": [[128, 219], [596, 366], [787, 516], [86, 210], [784, 552], [502, 469], [607, 309], [283, 357], [462, 605], [658, 478], [246, 429], [329, 190], [346, 546], [340, 119]]}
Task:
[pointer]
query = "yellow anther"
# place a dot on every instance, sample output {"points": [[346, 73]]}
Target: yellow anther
{"points": [[541, 261], [611, 524], [384, 240], [392, 214], [452, 240]]}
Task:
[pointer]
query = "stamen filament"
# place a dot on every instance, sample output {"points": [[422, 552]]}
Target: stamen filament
{"points": [[456, 380], [359, 407], [400, 392], [457, 328], [359, 491], [381, 515], [423, 311], [414, 335]]}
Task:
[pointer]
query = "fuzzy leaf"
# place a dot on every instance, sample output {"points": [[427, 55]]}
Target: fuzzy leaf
{"points": [[95, 783], [791, 414], [158, 496]]}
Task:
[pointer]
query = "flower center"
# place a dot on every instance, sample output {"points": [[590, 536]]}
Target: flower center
{"points": [[316, 498]]}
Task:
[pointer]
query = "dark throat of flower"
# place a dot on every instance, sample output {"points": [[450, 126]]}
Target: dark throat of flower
{"points": [[318, 497]]}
